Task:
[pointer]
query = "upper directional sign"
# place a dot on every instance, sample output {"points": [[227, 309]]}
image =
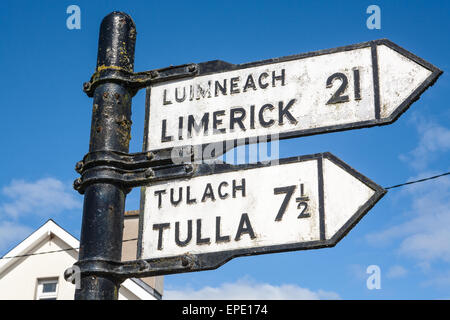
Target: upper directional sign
{"points": [[225, 211], [357, 86]]}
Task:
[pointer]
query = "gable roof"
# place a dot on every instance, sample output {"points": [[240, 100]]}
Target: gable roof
{"points": [[23, 248], [136, 286]]}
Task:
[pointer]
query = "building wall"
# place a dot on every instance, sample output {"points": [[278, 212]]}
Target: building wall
{"points": [[129, 248], [19, 281]]}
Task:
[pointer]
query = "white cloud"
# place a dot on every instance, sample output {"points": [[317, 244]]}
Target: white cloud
{"points": [[11, 232], [42, 197], [396, 271], [424, 235], [434, 139], [248, 290]]}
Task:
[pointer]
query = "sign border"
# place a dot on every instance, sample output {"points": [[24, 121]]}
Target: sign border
{"points": [[218, 66], [213, 260]]}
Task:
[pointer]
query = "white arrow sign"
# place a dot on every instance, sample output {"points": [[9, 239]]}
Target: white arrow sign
{"points": [[357, 86], [225, 211]]}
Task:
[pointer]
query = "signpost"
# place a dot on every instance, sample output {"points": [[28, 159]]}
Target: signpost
{"points": [[198, 215], [356, 86], [224, 211]]}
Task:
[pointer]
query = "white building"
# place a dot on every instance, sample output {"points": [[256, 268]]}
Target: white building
{"points": [[34, 269]]}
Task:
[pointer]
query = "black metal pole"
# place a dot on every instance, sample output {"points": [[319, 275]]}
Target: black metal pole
{"points": [[104, 202]]}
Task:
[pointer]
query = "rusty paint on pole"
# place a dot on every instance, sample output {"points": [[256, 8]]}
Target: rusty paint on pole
{"points": [[104, 202]]}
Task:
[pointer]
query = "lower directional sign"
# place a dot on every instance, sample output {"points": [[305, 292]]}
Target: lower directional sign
{"points": [[224, 211]]}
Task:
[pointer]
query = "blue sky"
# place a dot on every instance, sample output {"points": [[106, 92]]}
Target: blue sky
{"points": [[46, 124]]}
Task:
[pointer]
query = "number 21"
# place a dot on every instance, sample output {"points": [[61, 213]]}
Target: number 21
{"points": [[339, 96]]}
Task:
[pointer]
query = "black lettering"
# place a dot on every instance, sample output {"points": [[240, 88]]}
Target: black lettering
{"points": [[159, 193], [338, 96], [219, 191], [252, 117], [241, 188], [261, 77], [184, 95], [180, 196], [199, 234], [197, 127], [164, 137], [275, 78], [357, 84], [233, 85], [250, 83], [237, 119], [285, 112], [220, 238], [303, 214], [289, 192], [202, 92], [245, 221], [188, 196], [191, 92], [160, 227], [180, 128], [209, 193], [217, 122], [165, 101], [263, 122], [219, 87], [177, 234]]}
